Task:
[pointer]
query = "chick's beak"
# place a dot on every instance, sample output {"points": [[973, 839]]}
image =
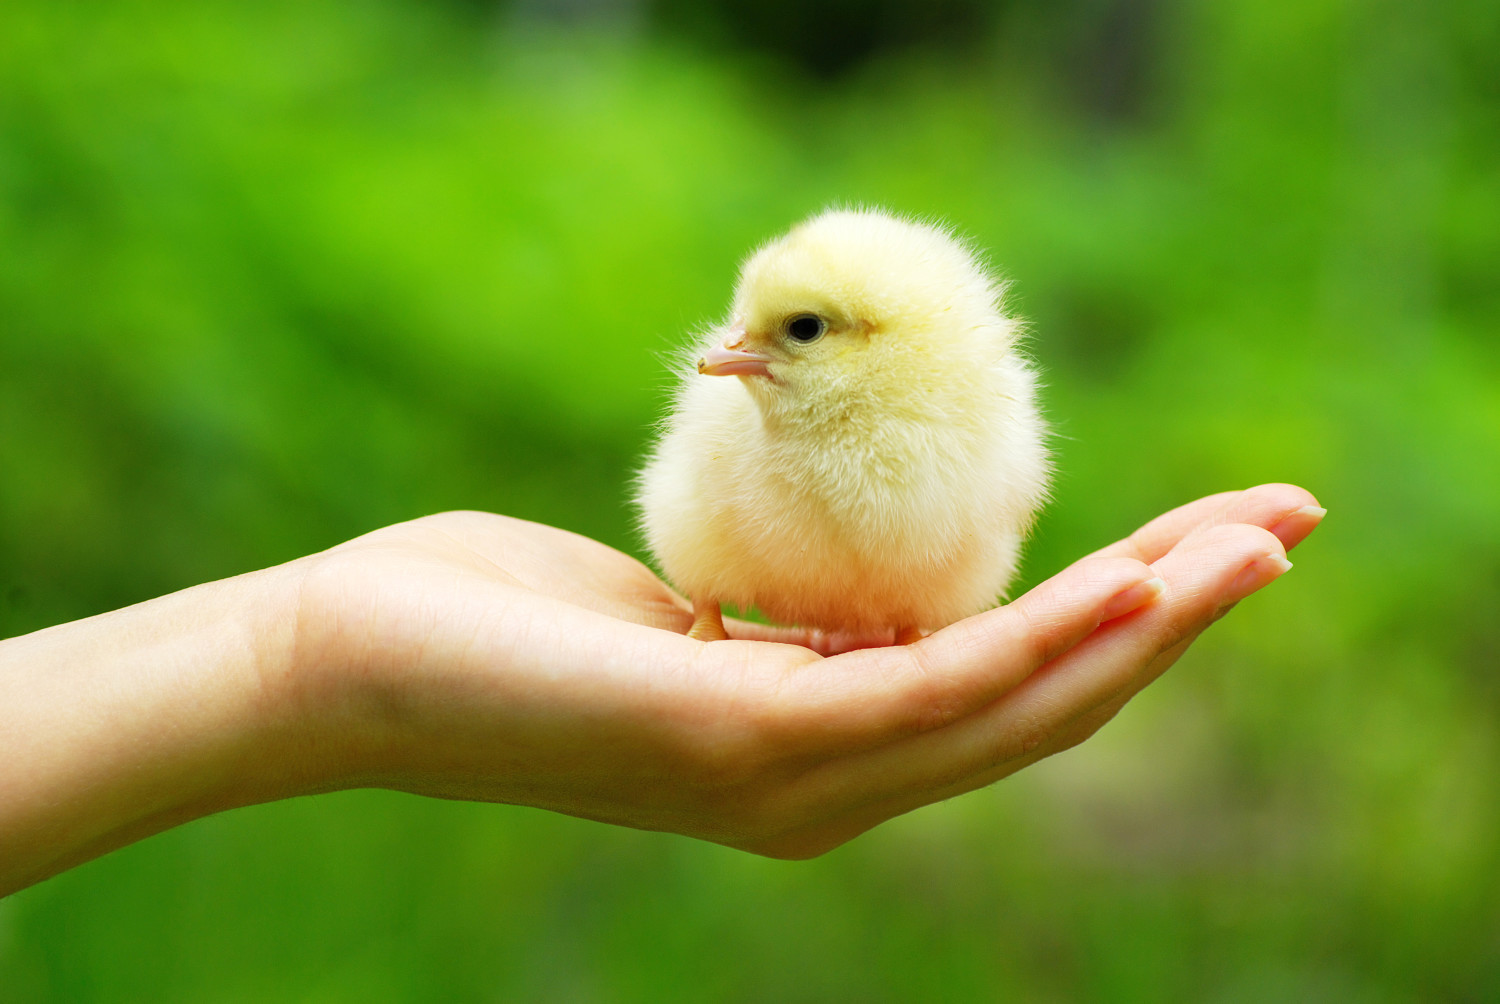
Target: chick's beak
{"points": [[733, 359]]}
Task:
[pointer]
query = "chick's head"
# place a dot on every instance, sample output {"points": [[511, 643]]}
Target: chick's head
{"points": [[859, 304]]}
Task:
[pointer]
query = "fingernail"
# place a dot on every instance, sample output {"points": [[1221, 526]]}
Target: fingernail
{"points": [[1296, 525], [1260, 572], [1133, 598]]}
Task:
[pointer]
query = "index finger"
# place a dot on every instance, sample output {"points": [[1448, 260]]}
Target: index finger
{"points": [[1290, 512]]}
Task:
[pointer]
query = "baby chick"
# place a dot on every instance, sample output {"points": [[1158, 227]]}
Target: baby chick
{"points": [[877, 456]]}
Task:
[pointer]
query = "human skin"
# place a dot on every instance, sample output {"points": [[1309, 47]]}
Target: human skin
{"points": [[474, 656]]}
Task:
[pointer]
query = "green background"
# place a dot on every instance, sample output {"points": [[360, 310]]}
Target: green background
{"points": [[275, 274]]}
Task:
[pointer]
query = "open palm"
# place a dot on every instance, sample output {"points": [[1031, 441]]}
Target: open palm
{"points": [[476, 656]]}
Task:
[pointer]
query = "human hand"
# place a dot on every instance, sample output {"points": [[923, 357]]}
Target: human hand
{"points": [[480, 657]]}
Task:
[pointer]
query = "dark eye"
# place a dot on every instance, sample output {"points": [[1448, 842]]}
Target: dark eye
{"points": [[806, 327]]}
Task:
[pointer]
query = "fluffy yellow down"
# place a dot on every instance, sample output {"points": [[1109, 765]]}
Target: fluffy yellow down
{"points": [[883, 475]]}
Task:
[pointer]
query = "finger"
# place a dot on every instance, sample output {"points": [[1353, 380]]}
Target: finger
{"points": [[1212, 568], [1254, 577], [1290, 512], [821, 835], [1116, 660], [1092, 721], [869, 697]]}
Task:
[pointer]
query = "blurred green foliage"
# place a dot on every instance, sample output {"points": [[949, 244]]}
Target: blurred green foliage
{"points": [[275, 274]]}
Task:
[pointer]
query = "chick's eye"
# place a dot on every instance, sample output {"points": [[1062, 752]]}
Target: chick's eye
{"points": [[806, 328]]}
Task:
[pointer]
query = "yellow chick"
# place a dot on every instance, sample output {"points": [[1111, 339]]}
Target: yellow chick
{"points": [[859, 448]]}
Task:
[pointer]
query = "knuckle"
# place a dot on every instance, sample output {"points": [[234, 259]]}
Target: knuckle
{"points": [[1279, 494], [1166, 634], [1029, 735], [1240, 538], [1028, 632], [933, 700], [1108, 568], [1022, 736], [1043, 634], [1141, 540]]}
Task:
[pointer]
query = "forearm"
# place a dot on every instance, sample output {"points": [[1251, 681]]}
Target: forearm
{"points": [[128, 723]]}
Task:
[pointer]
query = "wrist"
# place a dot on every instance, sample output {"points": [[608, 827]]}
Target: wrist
{"points": [[125, 724]]}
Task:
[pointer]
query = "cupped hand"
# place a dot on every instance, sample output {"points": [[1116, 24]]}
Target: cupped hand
{"points": [[480, 657]]}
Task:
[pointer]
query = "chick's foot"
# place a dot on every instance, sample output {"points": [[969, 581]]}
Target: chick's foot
{"points": [[708, 622]]}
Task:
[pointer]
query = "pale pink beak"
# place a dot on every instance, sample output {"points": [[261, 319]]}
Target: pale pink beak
{"points": [[733, 359]]}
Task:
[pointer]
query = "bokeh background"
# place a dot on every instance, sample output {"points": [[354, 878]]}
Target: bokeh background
{"points": [[275, 274]]}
